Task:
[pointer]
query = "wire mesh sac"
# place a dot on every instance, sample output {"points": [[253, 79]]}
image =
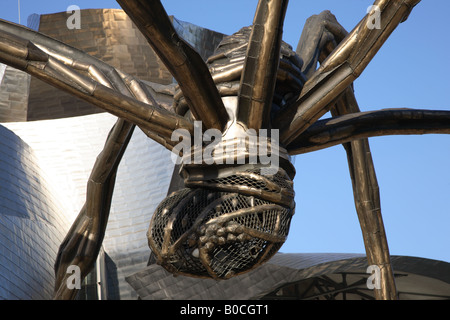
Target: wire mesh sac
{"points": [[214, 234]]}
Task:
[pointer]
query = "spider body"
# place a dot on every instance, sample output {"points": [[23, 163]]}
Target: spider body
{"points": [[232, 217]]}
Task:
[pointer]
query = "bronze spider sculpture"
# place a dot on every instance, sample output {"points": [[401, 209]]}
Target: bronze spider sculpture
{"points": [[234, 212]]}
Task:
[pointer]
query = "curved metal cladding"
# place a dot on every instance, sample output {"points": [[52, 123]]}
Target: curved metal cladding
{"points": [[67, 149], [31, 224], [295, 275]]}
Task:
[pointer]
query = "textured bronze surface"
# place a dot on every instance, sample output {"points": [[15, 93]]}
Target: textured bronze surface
{"points": [[341, 68], [257, 88], [181, 59]]}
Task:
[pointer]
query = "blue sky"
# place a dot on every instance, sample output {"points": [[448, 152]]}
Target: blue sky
{"points": [[410, 71]]}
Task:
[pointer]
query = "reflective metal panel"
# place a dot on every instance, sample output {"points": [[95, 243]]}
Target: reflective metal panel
{"points": [[32, 223]]}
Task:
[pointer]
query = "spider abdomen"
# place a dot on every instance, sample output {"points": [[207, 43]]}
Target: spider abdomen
{"points": [[235, 211], [213, 232]]}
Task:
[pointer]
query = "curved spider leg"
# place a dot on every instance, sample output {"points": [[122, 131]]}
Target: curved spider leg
{"points": [[60, 65], [183, 62], [319, 38], [340, 69], [367, 201], [83, 242], [127, 84], [263, 52], [143, 93], [320, 31], [341, 129], [81, 245], [320, 41], [363, 176]]}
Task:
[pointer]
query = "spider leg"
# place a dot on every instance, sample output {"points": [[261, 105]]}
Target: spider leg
{"points": [[83, 241], [88, 78], [320, 37], [320, 31], [183, 62], [367, 201], [348, 127], [362, 172], [340, 69], [263, 52]]}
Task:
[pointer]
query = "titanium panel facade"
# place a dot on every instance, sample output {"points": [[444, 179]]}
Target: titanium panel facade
{"points": [[32, 222], [67, 149], [416, 279], [14, 90]]}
